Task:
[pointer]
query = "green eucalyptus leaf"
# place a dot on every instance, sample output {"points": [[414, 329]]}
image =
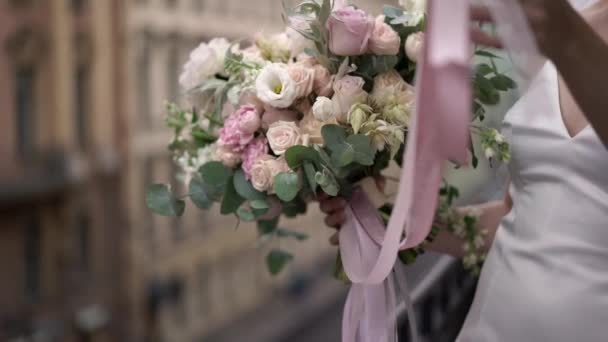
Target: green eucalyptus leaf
{"points": [[483, 69], [342, 155], [362, 145], [333, 135], [296, 155], [309, 172], [266, 227], [231, 200], [295, 207], [287, 185], [327, 182], [259, 204], [283, 232], [245, 214], [199, 194], [276, 260], [160, 200], [244, 188], [392, 12], [216, 174]]}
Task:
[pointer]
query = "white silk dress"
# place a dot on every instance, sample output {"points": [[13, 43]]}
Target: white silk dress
{"points": [[546, 275]]}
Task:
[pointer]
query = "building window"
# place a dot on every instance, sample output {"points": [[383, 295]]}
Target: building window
{"points": [[25, 105], [81, 105], [32, 249]]}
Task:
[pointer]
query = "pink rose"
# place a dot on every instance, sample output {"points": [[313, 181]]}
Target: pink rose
{"points": [[272, 115], [249, 119], [227, 156], [283, 135], [323, 81], [306, 59], [257, 148], [303, 77], [347, 91], [384, 40], [349, 31]]}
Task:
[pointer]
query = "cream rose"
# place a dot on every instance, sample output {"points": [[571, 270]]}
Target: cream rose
{"points": [[303, 77], [347, 91], [282, 135], [413, 46], [261, 175], [310, 128], [384, 40], [274, 86]]}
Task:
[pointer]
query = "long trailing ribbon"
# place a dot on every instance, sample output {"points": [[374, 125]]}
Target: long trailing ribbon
{"points": [[439, 132]]}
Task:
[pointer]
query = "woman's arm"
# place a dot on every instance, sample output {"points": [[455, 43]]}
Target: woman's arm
{"points": [[446, 242], [576, 48], [581, 56], [491, 213]]}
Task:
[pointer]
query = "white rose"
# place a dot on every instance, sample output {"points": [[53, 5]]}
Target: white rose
{"points": [[303, 77], [283, 135], [261, 175], [323, 109], [202, 64], [413, 46], [347, 91], [274, 86]]}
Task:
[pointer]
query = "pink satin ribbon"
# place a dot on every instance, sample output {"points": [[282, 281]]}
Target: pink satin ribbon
{"points": [[439, 132]]}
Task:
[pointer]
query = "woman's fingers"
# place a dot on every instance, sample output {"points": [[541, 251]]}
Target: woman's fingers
{"points": [[481, 38], [336, 219], [334, 239], [331, 205], [481, 13]]}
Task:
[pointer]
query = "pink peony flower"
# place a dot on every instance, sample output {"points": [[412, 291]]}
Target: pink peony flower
{"points": [[256, 148], [239, 128], [349, 31]]}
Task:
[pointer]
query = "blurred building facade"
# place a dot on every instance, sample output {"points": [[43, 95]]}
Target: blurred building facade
{"points": [[61, 101], [194, 275]]}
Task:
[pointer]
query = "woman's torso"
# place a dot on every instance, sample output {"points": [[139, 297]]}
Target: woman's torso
{"points": [[546, 276]]}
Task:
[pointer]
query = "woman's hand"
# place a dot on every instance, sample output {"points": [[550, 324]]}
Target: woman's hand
{"points": [[551, 22], [334, 209]]}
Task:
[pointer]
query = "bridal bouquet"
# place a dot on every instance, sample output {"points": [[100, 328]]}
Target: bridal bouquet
{"points": [[274, 119]]}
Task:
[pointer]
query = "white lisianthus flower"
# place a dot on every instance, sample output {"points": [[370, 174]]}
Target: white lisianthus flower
{"points": [[275, 87], [323, 108], [203, 63]]}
